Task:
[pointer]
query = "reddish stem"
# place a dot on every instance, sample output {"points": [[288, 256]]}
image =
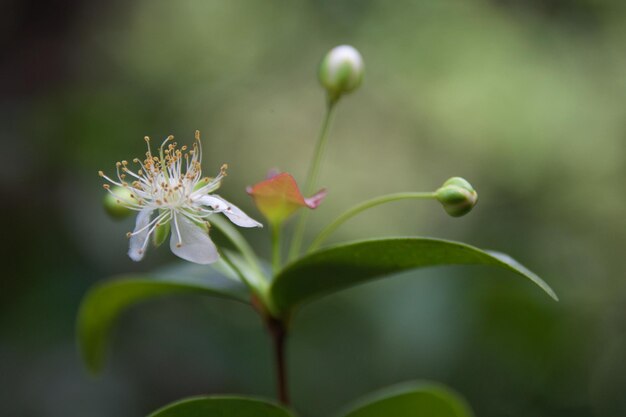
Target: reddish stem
{"points": [[279, 336]]}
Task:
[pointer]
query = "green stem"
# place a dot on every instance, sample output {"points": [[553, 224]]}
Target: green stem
{"points": [[276, 262], [253, 289], [239, 242], [328, 230], [320, 148], [311, 179]]}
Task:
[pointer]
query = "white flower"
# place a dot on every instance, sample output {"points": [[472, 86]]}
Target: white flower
{"points": [[171, 185]]}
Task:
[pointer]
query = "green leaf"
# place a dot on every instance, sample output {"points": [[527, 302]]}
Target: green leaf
{"points": [[106, 301], [342, 266], [417, 399], [222, 406]]}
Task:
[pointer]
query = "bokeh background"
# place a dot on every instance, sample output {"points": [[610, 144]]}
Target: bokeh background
{"points": [[525, 98]]}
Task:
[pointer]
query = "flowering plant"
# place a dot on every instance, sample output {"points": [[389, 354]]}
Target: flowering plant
{"points": [[171, 197]]}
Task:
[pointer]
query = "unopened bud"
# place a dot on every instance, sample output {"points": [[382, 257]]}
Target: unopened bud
{"points": [[341, 71], [116, 202], [457, 196]]}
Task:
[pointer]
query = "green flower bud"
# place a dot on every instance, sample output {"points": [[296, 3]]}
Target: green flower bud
{"points": [[457, 196], [115, 202], [341, 71]]}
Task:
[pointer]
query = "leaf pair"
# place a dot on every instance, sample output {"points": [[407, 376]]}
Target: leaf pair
{"points": [[312, 276], [420, 399]]}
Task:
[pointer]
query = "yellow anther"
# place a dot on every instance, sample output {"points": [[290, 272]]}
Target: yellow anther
{"points": [[197, 135], [101, 173]]}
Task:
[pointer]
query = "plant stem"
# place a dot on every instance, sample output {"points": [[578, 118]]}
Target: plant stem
{"points": [[320, 147], [311, 179], [278, 333], [240, 243], [276, 232], [253, 288], [328, 230]]}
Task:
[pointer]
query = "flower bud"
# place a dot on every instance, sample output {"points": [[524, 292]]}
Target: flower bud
{"points": [[278, 197], [341, 71], [457, 196], [116, 201]]}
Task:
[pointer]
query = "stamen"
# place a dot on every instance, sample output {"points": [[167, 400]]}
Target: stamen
{"points": [[110, 180], [180, 239], [149, 225]]}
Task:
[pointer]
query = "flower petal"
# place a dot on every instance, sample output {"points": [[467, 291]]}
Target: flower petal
{"points": [[315, 200], [139, 237], [234, 213], [190, 242]]}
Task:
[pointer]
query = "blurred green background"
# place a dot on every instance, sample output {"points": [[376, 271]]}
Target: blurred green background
{"points": [[524, 98]]}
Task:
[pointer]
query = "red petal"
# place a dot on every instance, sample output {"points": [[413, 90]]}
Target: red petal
{"points": [[278, 197]]}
